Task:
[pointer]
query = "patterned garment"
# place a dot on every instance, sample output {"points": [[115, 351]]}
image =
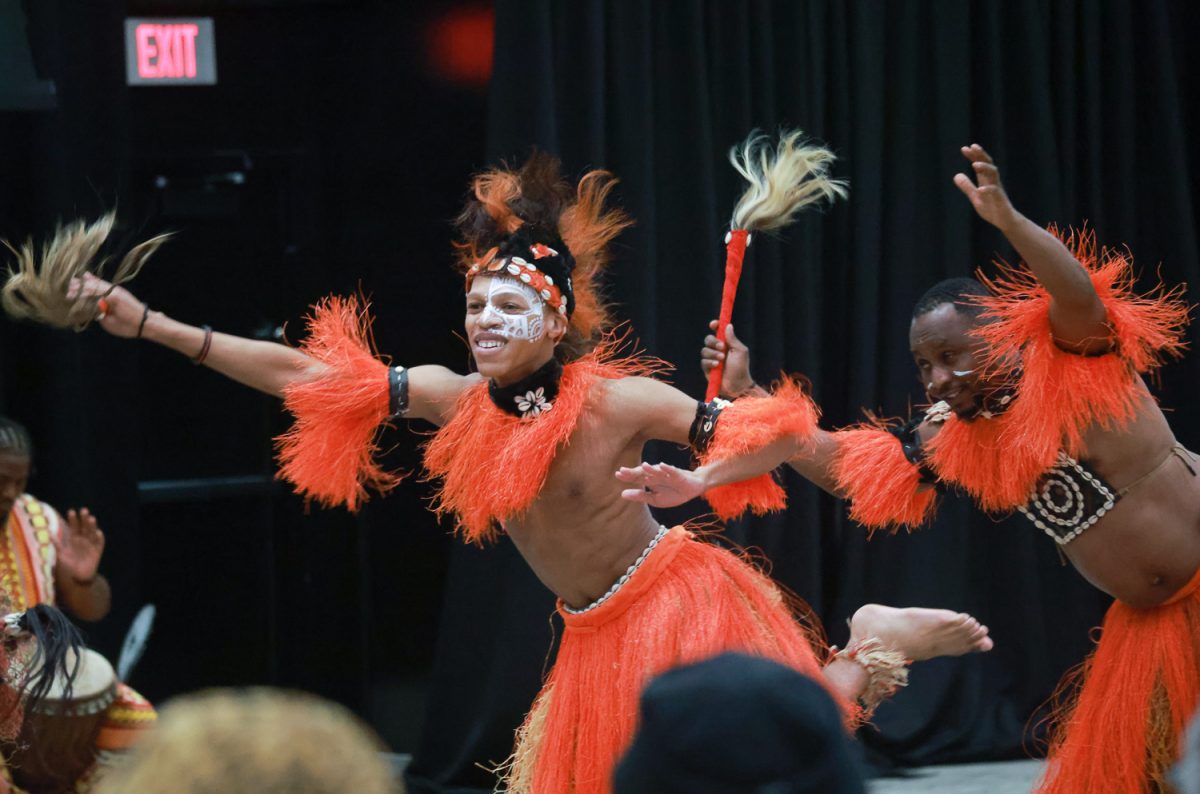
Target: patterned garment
{"points": [[27, 554]]}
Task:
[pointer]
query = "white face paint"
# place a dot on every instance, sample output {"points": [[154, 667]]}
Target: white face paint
{"points": [[513, 310], [963, 373]]}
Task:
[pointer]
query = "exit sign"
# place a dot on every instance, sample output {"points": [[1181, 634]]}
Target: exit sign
{"points": [[171, 51]]}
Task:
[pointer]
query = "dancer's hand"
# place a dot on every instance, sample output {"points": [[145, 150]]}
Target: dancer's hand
{"points": [[660, 484], [120, 313], [988, 197], [79, 546], [736, 378]]}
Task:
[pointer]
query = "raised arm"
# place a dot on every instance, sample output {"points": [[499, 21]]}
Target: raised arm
{"points": [[1077, 316]]}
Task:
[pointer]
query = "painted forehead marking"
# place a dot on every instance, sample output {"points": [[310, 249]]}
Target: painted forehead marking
{"points": [[501, 285], [928, 337]]}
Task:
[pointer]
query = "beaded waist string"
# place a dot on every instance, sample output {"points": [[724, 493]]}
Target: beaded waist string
{"points": [[612, 591]]}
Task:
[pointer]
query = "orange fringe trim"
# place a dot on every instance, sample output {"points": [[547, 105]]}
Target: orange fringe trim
{"points": [[748, 425], [1060, 394], [329, 453], [492, 465], [1120, 716], [690, 600], [883, 486]]}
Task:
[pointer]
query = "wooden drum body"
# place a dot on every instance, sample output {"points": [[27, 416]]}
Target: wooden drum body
{"points": [[57, 743]]}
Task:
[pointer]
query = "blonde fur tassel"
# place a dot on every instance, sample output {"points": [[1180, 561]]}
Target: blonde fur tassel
{"points": [[783, 180], [887, 671], [39, 289]]}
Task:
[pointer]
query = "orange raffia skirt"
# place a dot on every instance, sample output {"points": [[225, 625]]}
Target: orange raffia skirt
{"points": [[689, 600], [1121, 714]]}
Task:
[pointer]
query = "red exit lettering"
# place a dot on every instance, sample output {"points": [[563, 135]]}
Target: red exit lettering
{"points": [[166, 50]]}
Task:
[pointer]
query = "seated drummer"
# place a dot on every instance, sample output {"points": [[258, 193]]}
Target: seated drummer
{"points": [[45, 559]]}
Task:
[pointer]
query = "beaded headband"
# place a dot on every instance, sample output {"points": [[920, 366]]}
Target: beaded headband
{"points": [[544, 266]]}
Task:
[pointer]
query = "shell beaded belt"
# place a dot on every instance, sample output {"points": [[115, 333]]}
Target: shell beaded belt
{"points": [[612, 591]]}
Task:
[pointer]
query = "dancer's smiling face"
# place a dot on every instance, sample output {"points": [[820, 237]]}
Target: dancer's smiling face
{"points": [[511, 329], [949, 357]]}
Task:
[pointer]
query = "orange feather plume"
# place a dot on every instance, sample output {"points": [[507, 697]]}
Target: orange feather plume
{"points": [[587, 228], [496, 190]]}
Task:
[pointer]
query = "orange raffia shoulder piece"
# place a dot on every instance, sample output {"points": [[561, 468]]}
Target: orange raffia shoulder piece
{"points": [[1059, 394], [492, 465], [748, 425], [883, 486], [328, 455]]}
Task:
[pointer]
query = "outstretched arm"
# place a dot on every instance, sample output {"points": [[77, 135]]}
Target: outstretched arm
{"points": [[269, 367], [1077, 316], [814, 461], [265, 366]]}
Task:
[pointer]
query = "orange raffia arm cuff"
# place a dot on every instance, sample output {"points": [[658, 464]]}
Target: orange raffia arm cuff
{"points": [[329, 453], [883, 486], [746, 426]]}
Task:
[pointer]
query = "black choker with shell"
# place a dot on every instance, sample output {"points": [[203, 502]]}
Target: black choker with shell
{"points": [[531, 396]]}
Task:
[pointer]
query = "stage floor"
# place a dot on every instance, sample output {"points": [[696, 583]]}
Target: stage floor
{"points": [[1007, 777]]}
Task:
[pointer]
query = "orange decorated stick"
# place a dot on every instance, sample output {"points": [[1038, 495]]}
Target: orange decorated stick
{"points": [[784, 179]]}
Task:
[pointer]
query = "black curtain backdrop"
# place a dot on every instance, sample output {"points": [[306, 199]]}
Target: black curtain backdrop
{"points": [[1082, 106], [328, 158]]}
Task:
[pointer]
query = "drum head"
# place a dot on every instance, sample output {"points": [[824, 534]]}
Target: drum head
{"points": [[94, 676]]}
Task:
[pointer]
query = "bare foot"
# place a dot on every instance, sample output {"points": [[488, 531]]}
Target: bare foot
{"points": [[920, 633]]}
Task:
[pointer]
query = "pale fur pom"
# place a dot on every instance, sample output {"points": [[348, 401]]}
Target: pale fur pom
{"points": [[40, 288], [887, 671], [784, 179]]}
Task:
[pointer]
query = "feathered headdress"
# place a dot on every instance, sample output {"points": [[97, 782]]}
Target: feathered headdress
{"points": [[531, 224], [784, 179]]}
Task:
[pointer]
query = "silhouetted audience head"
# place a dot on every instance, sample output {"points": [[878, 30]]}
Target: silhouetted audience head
{"points": [[257, 740], [738, 724]]}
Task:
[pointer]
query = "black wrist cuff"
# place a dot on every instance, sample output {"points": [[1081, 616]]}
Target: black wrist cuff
{"points": [[704, 426], [397, 392]]}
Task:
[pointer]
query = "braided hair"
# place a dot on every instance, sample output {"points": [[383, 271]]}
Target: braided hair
{"points": [[14, 438]]}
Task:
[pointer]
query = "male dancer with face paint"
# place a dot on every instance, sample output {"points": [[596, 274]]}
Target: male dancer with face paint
{"points": [[528, 446], [1038, 406]]}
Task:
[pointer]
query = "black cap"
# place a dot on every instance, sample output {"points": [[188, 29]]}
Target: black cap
{"points": [[738, 724]]}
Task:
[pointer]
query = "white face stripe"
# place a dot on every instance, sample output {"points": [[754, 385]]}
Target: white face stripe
{"points": [[527, 324]]}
